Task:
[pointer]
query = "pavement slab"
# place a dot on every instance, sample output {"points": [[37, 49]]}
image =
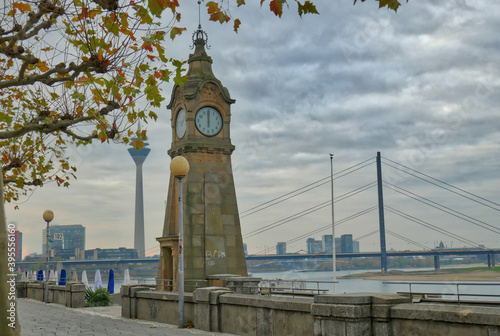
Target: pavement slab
{"points": [[38, 318]]}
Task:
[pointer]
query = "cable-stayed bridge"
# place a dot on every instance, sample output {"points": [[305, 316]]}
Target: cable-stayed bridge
{"points": [[392, 184]]}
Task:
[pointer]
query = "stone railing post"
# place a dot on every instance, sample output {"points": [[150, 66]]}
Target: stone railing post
{"points": [[381, 312], [75, 294], [129, 301], [207, 309], [355, 314], [342, 315], [22, 289]]}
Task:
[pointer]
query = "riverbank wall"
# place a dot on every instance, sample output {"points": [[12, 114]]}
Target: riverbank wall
{"points": [[219, 309]]}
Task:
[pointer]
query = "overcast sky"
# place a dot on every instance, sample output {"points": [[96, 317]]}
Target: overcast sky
{"points": [[420, 86]]}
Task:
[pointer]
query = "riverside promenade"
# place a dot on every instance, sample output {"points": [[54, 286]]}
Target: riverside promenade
{"points": [[38, 318]]}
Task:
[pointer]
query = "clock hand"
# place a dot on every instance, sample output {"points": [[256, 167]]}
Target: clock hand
{"points": [[208, 119]]}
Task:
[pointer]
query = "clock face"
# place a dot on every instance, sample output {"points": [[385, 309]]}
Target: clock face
{"points": [[180, 123], [208, 121]]}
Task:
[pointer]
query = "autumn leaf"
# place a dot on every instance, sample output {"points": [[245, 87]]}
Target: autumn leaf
{"points": [[213, 7], [306, 8], [276, 7], [391, 4], [156, 6], [137, 144], [220, 16], [82, 79], [237, 24], [42, 66], [23, 7], [240, 2], [59, 180], [176, 31]]}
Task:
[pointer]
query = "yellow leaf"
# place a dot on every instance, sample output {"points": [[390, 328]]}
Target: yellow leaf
{"points": [[176, 31], [42, 66], [237, 23], [137, 144], [23, 7]]}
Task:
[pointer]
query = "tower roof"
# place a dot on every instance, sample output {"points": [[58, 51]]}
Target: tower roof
{"points": [[200, 70]]}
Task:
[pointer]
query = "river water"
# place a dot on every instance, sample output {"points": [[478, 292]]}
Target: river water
{"points": [[378, 286]]}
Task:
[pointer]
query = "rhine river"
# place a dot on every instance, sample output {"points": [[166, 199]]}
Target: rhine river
{"points": [[378, 286]]}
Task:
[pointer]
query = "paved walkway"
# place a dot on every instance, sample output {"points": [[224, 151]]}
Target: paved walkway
{"points": [[38, 318]]}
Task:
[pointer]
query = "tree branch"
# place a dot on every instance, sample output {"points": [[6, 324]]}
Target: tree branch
{"points": [[59, 125]]}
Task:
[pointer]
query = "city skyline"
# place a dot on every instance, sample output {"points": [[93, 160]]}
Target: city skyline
{"points": [[420, 86]]}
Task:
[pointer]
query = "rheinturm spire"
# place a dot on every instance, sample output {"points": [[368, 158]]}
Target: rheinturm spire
{"points": [[139, 156]]}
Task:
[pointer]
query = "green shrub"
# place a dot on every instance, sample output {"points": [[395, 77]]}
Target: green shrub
{"points": [[98, 298]]}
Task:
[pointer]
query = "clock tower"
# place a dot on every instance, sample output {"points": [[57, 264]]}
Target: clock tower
{"points": [[200, 120]]}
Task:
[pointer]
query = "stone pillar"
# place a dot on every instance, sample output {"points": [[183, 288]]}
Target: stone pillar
{"points": [[169, 263], [22, 289], [491, 260], [437, 262], [208, 312], [129, 304], [381, 312], [342, 315], [356, 314], [75, 294]]}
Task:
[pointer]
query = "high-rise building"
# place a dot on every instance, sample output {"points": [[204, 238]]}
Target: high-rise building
{"points": [[346, 243], [355, 246], [338, 245], [19, 245], [245, 249], [281, 248], [65, 241], [314, 246], [327, 246], [111, 253]]}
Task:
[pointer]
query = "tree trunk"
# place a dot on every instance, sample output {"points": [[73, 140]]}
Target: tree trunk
{"points": [[8, 305]]}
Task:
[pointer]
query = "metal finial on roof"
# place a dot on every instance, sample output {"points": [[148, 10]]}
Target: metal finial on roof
{"points": [[200, 36]]}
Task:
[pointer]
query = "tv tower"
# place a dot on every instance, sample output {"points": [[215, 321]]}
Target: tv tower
{"points": [[139, 156]]}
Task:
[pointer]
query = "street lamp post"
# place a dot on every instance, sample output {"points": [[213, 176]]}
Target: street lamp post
{"points": [[179, 167], [334, 255], [48, 216]]}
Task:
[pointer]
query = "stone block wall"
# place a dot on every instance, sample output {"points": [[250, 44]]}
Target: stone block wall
{"points": [[219, 309], [71, 295]]}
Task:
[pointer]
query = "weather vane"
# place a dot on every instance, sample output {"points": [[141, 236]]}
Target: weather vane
{"points": [[200, 36]]}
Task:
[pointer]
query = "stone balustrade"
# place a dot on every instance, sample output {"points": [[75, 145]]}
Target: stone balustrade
{"points": [[220, 309], [71, 295]]}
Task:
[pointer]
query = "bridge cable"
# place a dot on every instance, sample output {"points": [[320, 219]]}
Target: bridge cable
{"points": [[440, 186], [308, 211], [366, 235], [433, 227], [439, 206], [408, 240], [292, 194]]}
